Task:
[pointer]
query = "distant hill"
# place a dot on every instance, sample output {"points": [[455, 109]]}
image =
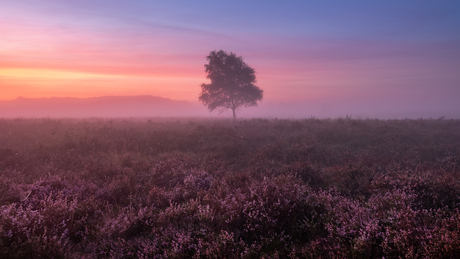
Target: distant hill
{"points": [[106, 106]]}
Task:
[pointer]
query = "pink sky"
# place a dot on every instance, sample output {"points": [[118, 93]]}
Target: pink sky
{"points": [[397, 54]]}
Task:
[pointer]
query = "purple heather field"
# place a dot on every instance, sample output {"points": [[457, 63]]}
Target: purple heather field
{"points": [[245, 188]]}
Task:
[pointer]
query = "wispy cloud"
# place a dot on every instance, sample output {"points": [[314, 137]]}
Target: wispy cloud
{"points": [[330, 50]]}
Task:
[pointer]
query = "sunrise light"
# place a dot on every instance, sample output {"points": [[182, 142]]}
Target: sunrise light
{"points": [[398, 54]]}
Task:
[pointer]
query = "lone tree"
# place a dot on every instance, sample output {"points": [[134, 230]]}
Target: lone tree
{"points": [[232, 83]]}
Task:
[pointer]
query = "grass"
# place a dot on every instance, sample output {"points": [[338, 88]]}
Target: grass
{"points": [[251, 188]]}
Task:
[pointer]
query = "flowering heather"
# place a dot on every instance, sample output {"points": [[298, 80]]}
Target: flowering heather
{"points": [[259, 188]]}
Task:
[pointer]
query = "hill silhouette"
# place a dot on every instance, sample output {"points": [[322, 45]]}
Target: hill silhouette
{"points": [[106, 106]]}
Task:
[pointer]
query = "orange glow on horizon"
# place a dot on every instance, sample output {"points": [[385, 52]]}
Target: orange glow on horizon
{"points": [[39, 83], [21, 73]]}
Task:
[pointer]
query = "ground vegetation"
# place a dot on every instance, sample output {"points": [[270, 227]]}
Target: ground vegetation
{"points": [[247, 188]]}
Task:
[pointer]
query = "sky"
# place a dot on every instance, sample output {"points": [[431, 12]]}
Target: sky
{"points": [[365, 58]]}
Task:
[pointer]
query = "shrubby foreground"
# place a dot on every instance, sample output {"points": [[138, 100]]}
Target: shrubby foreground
{"points": [[195, 188]]}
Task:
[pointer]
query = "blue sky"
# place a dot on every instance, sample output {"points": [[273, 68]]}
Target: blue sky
{"points": [[404, 55]]}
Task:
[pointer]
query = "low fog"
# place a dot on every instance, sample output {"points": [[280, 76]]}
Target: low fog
{"points": [[151, 106]]}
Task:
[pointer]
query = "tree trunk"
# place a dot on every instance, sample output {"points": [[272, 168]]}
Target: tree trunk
{"points": [[234, 115]]}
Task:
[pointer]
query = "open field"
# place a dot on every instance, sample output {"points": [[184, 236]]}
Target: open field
{"points": [[207, 188]]}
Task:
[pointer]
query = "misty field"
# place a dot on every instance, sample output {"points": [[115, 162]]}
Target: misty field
{"points": [[208, 188]]}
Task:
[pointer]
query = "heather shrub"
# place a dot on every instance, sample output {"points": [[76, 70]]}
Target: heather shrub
{"points": [[251, 188], [9, 191], [43, 231], [196, 182], [266, 216]]}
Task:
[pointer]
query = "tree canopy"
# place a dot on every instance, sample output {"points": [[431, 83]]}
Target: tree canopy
{"points": [[232, 83]]}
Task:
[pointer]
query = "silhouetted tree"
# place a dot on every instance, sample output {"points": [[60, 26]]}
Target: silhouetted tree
{"points": [[232, 83]]}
